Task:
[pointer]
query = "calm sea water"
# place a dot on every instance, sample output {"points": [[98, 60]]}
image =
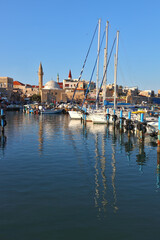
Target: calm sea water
{"points": [[62, 180]]}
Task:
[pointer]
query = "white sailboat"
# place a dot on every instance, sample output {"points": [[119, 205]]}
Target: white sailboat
{"points": [[75, 114], [79, 114], [101, 118]]}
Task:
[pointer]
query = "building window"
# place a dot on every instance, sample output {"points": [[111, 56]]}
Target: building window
{"points": [[66, 85]]}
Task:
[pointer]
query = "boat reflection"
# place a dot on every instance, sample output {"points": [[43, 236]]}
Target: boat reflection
{"points": [[108, 142], [113, 163], [102, 198], [104, 156], [100, 178]]}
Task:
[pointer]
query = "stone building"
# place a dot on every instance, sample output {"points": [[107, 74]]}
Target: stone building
{"points": [[71, 84], [26, 90], [51, 92], [132, 90], [6, 87], [6, 82], [129, 97], [147, 93]]}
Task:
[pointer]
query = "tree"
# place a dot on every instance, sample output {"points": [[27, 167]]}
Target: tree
{"points": [[36, 98]]}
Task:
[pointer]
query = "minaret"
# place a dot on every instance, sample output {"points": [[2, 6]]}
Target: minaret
{"points": [[40, 75], [57, 78], [70, 75]]}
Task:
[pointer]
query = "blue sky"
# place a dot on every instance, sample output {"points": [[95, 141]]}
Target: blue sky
{"points": [[58, 33]]}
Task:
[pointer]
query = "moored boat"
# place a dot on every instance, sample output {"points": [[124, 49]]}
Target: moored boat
{"points": [[75, 114], [51, 111]]}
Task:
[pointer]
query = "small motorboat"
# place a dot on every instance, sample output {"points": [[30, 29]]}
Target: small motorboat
{"points": [[51, 111]]}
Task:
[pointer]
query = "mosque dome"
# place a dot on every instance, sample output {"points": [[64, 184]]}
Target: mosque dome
{"points": [[51, 85]]}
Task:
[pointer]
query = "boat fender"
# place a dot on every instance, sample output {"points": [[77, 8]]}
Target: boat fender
{"points": [[129, 127], [114, 117], [107, 116]]}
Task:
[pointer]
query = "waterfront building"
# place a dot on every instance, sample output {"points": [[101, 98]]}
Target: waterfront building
{"points": [[18, 85], [147, 93], [6, 87], [133, 90], [51, 92], [6, 82], [25, 90], [70, 84]]}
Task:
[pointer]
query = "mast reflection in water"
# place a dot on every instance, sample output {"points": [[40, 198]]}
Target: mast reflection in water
{"points": [[61, 179]]}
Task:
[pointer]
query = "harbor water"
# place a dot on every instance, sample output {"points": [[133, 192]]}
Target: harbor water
{"points": [[60, 179]]}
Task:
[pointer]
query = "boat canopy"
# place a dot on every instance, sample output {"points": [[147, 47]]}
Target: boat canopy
{"points": [[106, 103]]}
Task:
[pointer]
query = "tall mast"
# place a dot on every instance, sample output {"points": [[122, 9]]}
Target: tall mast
{"points": [[105, 65], [115, 70], [97, 83]]}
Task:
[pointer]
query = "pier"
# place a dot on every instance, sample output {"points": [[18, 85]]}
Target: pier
{"points": [[131, 123]]}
